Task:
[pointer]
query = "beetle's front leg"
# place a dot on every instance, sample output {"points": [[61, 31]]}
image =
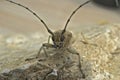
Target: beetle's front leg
{"points": [[43, 47], [73, 51], [49, 39]]}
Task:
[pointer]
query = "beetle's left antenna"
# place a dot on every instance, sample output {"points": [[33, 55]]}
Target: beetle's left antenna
{"points": [[33, 14]]}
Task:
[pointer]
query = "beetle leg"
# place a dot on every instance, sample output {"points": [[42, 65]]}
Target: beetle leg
{"points": [[73, 51], [43, 47]]}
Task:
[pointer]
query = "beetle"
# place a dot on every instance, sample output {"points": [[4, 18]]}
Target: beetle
{"points": [[61, 38]]}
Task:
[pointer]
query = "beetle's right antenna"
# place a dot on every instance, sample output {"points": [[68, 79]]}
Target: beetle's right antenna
{"points": [[73, 14], [33, 14]]}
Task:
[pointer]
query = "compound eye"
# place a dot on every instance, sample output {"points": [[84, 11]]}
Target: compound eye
{"points": [[62, 38]]}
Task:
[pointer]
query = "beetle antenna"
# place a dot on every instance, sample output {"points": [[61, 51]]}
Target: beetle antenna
{"points": [[33, 14], [73, 14]]}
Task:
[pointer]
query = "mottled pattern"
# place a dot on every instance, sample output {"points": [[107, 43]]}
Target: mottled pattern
{"points": [[99, 51]]}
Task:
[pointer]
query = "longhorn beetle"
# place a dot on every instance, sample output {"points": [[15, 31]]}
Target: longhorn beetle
{"points": [[61, 38]]}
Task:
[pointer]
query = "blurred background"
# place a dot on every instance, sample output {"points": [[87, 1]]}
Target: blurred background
{"points": [[55, 13]]}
